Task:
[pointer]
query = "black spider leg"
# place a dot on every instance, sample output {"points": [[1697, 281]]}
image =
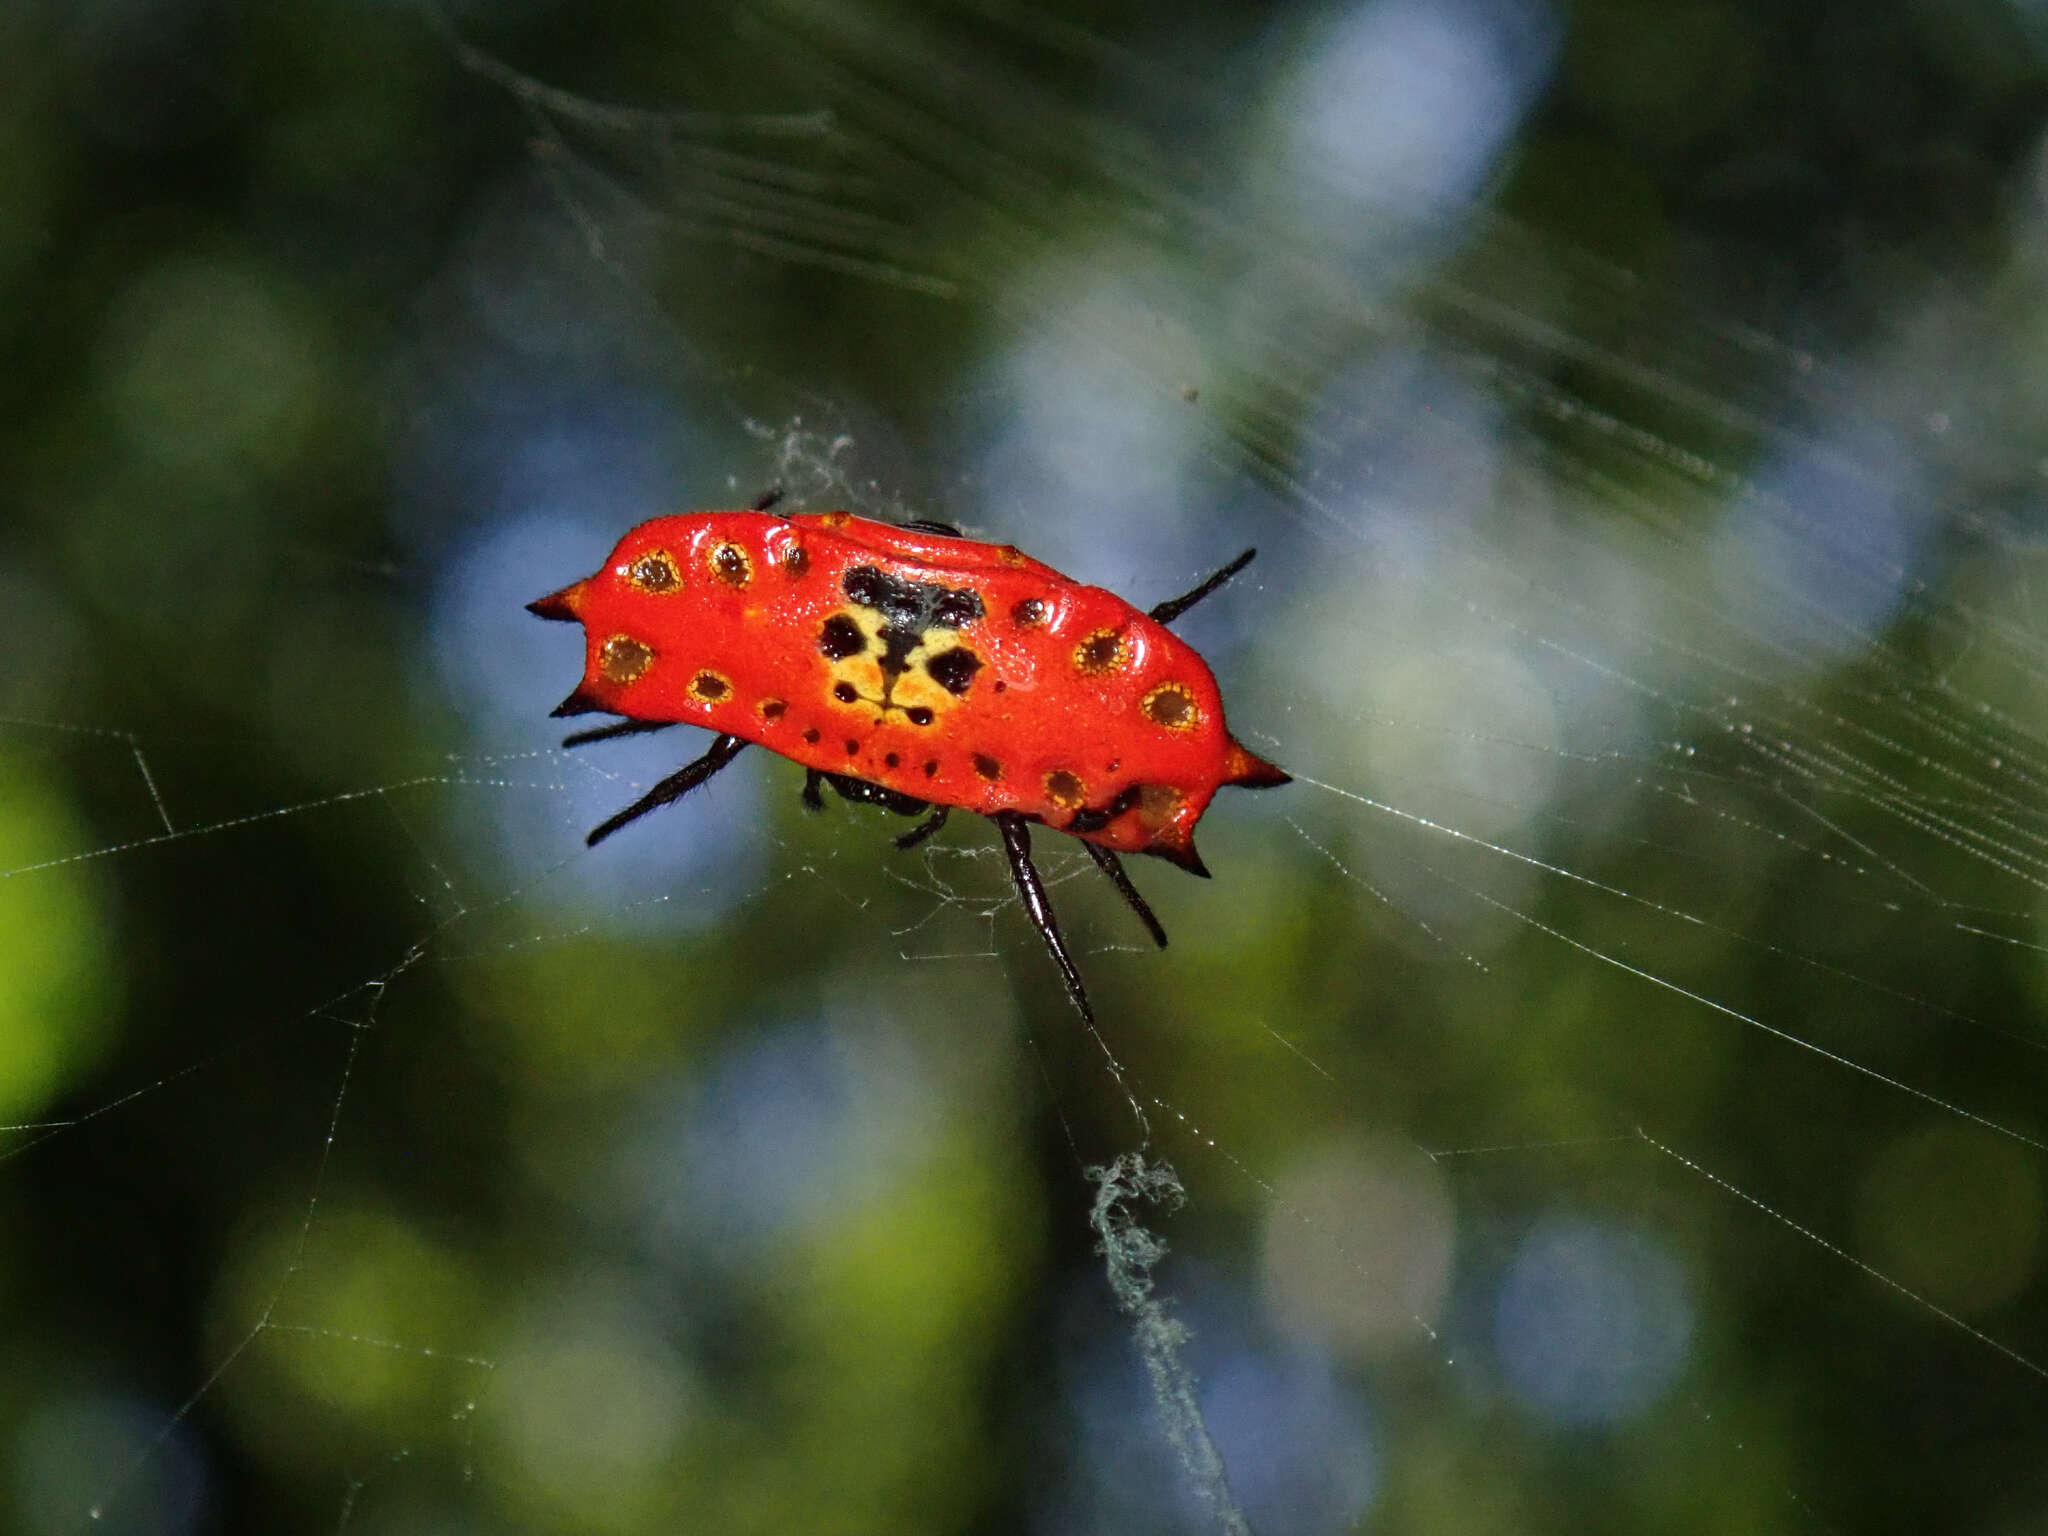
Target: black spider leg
{"points": [[861, 792], [614, 732], [1173, 608], [925, 828], [766, 499], [1113, 867], [672, 788], [1017, 844]]}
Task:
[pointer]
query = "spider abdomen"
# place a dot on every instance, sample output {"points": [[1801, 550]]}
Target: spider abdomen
{"points": [[941, 668]]}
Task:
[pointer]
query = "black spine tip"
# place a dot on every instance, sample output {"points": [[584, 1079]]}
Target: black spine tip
{"points": [[554, 606], [578, 703], [1185, 857]]}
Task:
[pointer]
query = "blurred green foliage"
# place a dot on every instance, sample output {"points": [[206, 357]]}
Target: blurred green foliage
{"points": [[318, 1152]]}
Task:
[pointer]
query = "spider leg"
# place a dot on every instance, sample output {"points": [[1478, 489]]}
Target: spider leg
{"points": [[925, 828], [674, 787], [814, 797], [1113, 867], [766, 499], [613, 732], [1017, 844], [1173, 608]]}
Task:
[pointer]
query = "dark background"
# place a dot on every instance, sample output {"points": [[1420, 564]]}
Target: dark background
{"points": [[1607, 1084]]}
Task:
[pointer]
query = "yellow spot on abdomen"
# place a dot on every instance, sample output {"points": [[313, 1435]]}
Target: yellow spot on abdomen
{"points": [[1102, 651], [1157, 804], [622, 660], [730, 564], [1171, 707], [655, 571], [1065, 790]]}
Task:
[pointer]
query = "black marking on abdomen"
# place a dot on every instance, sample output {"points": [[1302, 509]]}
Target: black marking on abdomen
{"points": [[1086, 820], [954, 670], [908, 609]]}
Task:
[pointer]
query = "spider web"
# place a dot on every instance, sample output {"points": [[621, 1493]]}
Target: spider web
{"points": [[1601, 1093]]}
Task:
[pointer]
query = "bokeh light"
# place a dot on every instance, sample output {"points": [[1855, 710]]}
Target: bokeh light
{"points": [[1603, 1083], [1593, 1322]]}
